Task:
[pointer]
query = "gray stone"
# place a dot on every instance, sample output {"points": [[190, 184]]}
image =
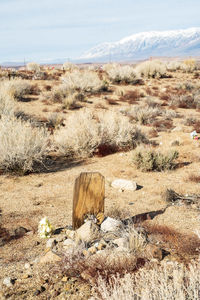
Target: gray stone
{"points": [[51, 243], [87, 232], [122, 243], [124, 185], [69, 244], [110, 224]]}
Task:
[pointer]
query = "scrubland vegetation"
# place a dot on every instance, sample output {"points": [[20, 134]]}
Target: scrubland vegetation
{"points": [[129, 121]]}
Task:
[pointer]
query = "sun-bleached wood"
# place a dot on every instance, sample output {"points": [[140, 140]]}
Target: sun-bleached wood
{"points": [[89, 194]]}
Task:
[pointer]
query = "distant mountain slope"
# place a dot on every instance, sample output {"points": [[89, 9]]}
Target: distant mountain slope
{"points": [[142, 45]]}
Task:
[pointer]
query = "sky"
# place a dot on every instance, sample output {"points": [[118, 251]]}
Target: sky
{"points": [[42, 30]]}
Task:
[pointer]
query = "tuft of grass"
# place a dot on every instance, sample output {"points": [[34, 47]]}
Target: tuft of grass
{"points": [[148, 160]]}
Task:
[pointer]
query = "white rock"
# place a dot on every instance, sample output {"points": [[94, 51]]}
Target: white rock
{"points": [[27, 266], [69, 244], [87, 232], [124, 184], [110, 224], [122, 243], [50, 243], [8, 281]]}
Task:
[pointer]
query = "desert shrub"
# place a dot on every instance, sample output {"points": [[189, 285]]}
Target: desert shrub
{"points": [[17, 88], [86, 133], [163, 124], [185, 101], [165, 282], [21, 145], [68, 66], [148, 160], [174, 66], [55, 120], [131, 97], [122, 74], [189, 65], [32, 66], [143, 115], [7, 103], [152, 68], [58, 93], [86, 81]]}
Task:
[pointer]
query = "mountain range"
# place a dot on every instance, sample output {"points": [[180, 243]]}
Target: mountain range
{"points": [[142, 45]]}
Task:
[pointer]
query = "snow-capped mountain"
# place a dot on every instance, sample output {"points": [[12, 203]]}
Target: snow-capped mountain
{"points": [[142, 45]]}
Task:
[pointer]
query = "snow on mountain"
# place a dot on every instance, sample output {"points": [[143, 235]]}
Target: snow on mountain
{"points": [[142, 45]]}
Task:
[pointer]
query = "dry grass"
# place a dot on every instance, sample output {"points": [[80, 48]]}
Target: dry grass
{"points": [[184, 245], [165, 282], [131, 97], [194, 178]]}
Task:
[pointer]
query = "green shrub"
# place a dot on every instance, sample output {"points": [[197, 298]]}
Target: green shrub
{"points": [[154, 161]]}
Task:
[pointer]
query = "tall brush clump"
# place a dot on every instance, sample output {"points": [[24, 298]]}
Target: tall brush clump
{"points": [[68, 66], [151, 69], [16, 88], [86, 133], [121, 74], [32, 66], [21, 145], [83, 81], [7, 103], [148, 160], [189, 65]]}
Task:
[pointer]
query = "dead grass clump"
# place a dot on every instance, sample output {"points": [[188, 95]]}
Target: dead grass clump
{"points": [[194, 178], [184, 101], [131, 97], [164, 282], [111, 101], [163, 125], [164, 96], [118, 213], [148, 160], [153, 133], [106, 264], [184, 245], [21, 145]]}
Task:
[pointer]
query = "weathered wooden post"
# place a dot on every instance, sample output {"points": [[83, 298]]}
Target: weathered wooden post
{"points": [[89, 194]]}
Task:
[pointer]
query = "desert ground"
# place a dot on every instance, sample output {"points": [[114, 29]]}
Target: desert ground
{"points": [[169, 110]]}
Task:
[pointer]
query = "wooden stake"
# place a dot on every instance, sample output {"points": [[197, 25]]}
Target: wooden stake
{"points": [[89, 194]]}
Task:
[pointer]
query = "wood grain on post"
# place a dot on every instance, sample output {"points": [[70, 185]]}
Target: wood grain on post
{"points": [[89, 194]]}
